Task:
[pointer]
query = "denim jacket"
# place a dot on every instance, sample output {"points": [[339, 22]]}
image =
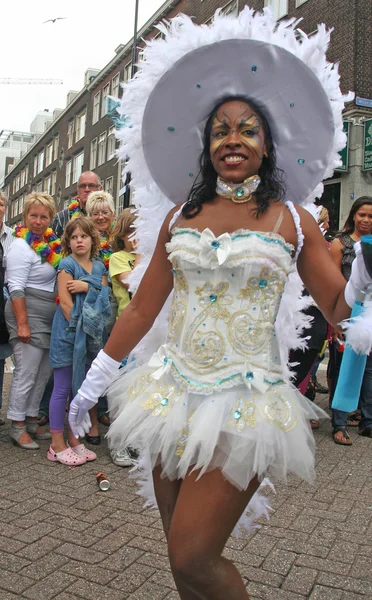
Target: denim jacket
{"points": [[77, 342]]}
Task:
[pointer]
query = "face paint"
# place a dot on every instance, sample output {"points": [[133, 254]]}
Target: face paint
{"points": [[237, 143]]}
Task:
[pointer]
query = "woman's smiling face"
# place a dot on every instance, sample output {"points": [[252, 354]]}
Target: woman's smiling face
{"points": [[237, 141]]}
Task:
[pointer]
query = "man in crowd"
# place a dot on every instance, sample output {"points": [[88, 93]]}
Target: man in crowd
{"points": [[88, 182], [6, 239]]}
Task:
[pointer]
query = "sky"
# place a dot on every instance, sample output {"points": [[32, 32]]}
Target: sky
{"points": [[85, 38]]}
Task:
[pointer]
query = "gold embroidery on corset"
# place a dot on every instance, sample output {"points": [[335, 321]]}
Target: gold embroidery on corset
{"points": [[140, 385], [250, 329], [244, 415], [203, 349], [162, 400], [182, 441], [178, 309]]}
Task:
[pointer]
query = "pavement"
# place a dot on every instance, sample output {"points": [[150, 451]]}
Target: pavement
{"points": [[62, 538]]}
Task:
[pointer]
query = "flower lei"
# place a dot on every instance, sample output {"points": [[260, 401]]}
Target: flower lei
{"points": [[49, 249], [74, 209], [105, 250]]}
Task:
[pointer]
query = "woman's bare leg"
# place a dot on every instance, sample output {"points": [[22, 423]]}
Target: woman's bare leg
{"points": [[205, 514], [166, 493]]}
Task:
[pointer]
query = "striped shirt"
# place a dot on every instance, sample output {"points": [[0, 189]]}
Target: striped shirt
{"points": [[6, 238], [61, 219]]}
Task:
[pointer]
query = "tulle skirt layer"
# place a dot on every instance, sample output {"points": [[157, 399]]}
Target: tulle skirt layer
{"points": [[241, 431]]}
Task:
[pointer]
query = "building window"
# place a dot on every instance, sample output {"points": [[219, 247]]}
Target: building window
{"points": [[111, 143], [105, 94], [68, 173], [70, 133], [109, 185], [96, 102], [21, 204], [279, 7], [128, 72], [54, 183], [26, 174], [55, 147], [93, 154], [80, 126], [299, 2], [39, 186], [49, 154], [35, 166], [47, 182], [23, 177], [102, 149], [116, 86], [40, 161], [231, 8], [77, 167], [18, 183]]}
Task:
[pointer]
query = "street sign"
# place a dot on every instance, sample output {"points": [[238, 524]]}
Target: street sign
{"points": [[367, 145], [344, 154], [365, 102]]}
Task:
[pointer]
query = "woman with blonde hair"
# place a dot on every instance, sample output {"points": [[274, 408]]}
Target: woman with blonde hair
{"points": [[32, 261], [101, 209]]}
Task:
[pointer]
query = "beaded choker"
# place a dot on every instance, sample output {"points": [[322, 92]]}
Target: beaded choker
{"points": [[238, 192], [49, 248]]}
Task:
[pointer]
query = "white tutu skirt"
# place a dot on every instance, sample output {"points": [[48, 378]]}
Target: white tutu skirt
{"points": [[240, 431]]}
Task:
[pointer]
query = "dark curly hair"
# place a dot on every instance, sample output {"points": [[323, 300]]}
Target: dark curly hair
{"points": [[271, 187]]}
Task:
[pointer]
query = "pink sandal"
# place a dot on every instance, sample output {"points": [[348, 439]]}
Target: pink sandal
{"points": [[82, 451], [66, 457]]}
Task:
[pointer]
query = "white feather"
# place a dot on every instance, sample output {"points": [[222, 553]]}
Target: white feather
{"points": [[359, 331]]}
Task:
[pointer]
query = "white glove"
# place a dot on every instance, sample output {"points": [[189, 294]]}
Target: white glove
{"points": [[95, 384], [359, 278]]}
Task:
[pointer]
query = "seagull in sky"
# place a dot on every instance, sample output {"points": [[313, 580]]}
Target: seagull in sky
{"points": [[54, 20]]}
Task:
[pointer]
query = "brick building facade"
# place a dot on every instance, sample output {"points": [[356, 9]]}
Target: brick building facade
{"points": [[82, 136]]}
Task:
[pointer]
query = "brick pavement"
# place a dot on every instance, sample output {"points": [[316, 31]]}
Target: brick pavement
{"points": [[61, 538]]}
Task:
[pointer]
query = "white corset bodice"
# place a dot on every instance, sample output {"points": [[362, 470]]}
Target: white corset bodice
{"points": [[227, 291]]}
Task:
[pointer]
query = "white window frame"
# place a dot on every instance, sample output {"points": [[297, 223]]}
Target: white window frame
{"points": [[70, 133], [96, 106], [23, 177], [55, 147], [46, 185], [299, 2], [77, 168], [40, 161], [26, 174], [68, 173], [115, 87], [35, 165], [279, 7], [109, 185], [54, 182], [49, 154], [18, 183], [39, 186], [80, 125], [105, 95], [21, 203], [111, 143], [93, 154], [101, 154], [128, 72]]}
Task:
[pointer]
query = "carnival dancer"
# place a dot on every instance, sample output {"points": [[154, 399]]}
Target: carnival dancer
{"points": [[214, 407], [78, 331], [88, 182]]}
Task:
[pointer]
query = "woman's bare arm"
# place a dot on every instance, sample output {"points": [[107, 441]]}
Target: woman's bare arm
{"points": [[20, 313], [336, 252], [138, 317], [320, 273]]}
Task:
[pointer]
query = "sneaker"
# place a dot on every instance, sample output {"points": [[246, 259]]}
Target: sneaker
{"points": [[122, 458], [320, 389]]}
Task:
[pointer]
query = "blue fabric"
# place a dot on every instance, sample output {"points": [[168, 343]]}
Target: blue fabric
{"points": [[77, 342]]}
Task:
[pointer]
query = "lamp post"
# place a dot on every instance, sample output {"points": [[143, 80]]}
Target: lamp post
{"points": [[134, 47]]}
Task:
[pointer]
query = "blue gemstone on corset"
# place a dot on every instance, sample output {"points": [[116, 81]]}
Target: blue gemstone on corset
{"points": [[174, 271], [254, 69], [170, 128], [249, 376], [164, 402], [263, 283], [239, 193], [213, 298], [215, 244], [301, 161], [198, 85], [165, 361], [237, 414], [291, 104]]}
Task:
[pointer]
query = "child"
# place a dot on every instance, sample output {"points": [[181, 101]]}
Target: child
{"points": [[123, 259], [78, 331]]}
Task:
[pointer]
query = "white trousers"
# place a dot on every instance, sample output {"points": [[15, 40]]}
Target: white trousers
{"points": [[30, 377]]}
